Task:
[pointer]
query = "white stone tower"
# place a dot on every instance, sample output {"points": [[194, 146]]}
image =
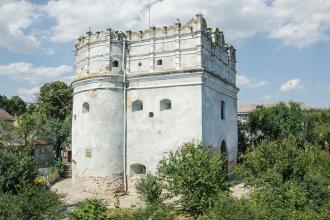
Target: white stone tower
{"points": [[98, 113], [140, 95]]}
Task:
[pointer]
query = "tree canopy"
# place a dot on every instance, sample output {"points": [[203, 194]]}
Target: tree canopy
{"points": [[15, 105], [55, 100]]}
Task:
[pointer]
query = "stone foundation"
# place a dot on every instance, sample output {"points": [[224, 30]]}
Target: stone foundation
{"points": [[98, 185]]}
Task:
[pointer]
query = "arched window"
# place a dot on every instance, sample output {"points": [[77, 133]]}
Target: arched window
{"points": [[159, 62], [222, 109], [115, 63], [165, 104], [137, 105], [85, 107], [137, 169]]}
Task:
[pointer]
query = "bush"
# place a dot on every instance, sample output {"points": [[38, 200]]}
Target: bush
{"points": [[150, 190], [195, 175], [17, 170], [52, 174], [226, 207], [288, 181], [31, 203], [91, 209], [163, 213], [60, 166]]}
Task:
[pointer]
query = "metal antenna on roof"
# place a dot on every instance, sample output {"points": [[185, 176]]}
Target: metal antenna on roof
{"points": [[149, 13]]}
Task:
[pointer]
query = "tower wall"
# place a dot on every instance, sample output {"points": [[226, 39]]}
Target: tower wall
{"points": [[97, 135]]}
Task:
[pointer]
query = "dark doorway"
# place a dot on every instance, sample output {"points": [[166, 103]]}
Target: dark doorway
{"points": [[223, 150]]}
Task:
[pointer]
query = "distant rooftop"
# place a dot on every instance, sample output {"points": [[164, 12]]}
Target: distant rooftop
{"points": [[5, 116], [246, 108]]}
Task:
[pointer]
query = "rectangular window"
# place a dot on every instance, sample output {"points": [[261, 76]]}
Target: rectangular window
{"points": [[88, 153]]}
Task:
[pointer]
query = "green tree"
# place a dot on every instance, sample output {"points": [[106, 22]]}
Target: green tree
{"points": [[17, 170], [8, 135], [317, 127], [288, 182], [57, 132], [31, 203], [30, 127], [150, 190], [276, 122], [16, 106], [4, 102], [195, 175], [55, 100]]}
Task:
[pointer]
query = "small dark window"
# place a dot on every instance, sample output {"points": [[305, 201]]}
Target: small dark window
{"points": [[115, 63], [159, 62], [137, 105], [151, 114], [137, 169], [165, 104], [88, 153], [140, 64], [75, 117], [85, 107], [222, 110]]}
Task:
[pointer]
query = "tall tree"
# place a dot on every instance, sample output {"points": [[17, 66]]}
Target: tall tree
{"points": [[276, 122], [16, 106], [317, 127], [3, 102], [55, 100]]}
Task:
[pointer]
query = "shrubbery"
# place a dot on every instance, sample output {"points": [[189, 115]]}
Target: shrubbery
{"points": [[21, 195], [91, 209], [194, 174], [17, 170], [150, 189]]}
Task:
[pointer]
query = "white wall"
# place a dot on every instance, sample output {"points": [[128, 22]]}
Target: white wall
{"points": [[215, 129], [151, 138], [99, 131]]}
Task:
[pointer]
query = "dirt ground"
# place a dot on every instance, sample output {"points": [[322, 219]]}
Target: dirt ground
{"points": [[72, 197]]}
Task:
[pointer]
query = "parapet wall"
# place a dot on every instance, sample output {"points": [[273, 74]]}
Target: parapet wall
{"points": [[156, 50]]}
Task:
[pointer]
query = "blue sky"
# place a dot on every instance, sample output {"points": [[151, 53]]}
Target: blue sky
{"points": [[283, 47]]}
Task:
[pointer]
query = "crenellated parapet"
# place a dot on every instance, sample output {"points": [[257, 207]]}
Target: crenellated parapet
{"points": [[192, 46]]}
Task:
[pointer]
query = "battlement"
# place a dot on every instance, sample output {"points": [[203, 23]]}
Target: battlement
{"points": [[177, 47], [194, 25]]}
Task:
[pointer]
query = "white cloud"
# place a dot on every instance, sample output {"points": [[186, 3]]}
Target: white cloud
{"points": [[270, 98], [31, 73], [29, 94], [15, 18], [244, 82], [295, 23], [294, 84]]}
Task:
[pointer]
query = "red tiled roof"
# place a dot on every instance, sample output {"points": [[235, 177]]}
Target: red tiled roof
{"points": [[6, 116]]}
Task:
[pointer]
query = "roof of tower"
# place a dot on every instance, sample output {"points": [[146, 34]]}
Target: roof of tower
{"points": [[196, 24]]}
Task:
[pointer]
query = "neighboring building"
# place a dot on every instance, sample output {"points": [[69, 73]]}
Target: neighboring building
{"points": [[43, 153], [5, 116], [140, 95], [243, 110]]}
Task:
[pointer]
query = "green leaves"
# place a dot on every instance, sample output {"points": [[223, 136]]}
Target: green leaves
{"points": [[150, 189], [288, 179], [276, 122], [194, 174], [17, 170], [91, 209], [55, 100]]}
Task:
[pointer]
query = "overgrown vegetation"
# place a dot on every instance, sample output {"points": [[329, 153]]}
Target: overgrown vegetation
{"points": [[150, 189], [88, 210], [194, 174], [20, 196]]}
